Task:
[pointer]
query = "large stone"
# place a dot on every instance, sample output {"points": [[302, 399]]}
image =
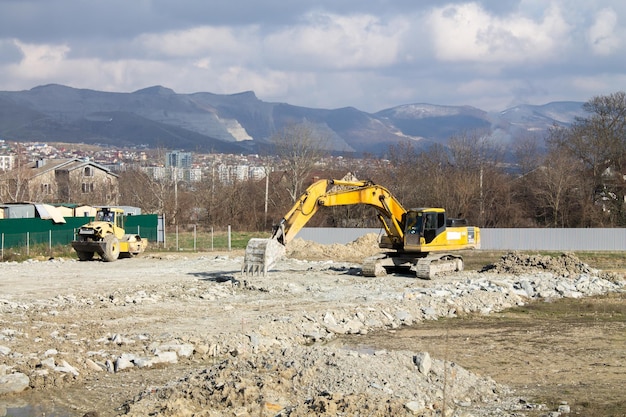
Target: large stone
{"points": [[423, 362], [184, 350], [93, 365], [144, 362], [66, 368], [404, 317], [329, 319], [13, 383], [125, 361], [166, 357], [49, 362], [415, 407]]}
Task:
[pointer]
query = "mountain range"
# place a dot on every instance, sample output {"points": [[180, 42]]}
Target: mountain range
{"points": [[241, 123]]}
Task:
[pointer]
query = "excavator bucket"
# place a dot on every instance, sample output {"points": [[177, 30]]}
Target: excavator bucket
{"points": [[261, 255]]}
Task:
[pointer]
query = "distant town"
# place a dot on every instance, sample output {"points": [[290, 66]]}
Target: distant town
{"points": [[157, 163]]}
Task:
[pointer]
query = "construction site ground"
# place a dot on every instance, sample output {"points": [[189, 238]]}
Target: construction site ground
{"points": [[313, 337]]}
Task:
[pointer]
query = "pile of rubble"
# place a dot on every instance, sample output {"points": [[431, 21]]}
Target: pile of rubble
{"points": [[297, 381], [565, 265], [356, 251]]}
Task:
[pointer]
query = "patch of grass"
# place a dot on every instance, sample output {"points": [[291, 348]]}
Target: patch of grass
{"points": [[39, 252], [606, 308], [206, 241]]}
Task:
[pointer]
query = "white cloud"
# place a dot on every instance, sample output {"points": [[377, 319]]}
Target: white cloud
{"points": [[367, 55], [331, 41], [40, 60], [468, 32], [601, 34], [199, 41]]}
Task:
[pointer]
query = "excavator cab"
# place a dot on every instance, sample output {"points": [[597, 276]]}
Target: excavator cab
{"points": [[422, 227]]}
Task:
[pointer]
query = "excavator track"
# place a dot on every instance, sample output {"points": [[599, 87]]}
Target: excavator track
{"points": [[426, 267], [374, 266], [434, 264]]}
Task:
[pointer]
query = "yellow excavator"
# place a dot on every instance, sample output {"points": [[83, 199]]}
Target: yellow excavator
{"points": [[418, 239]]}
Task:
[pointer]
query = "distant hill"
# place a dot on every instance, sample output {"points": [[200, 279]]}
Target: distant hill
{"points": [[241, 123]]}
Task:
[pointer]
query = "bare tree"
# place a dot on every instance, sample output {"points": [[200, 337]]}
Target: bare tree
{"points": [[299, 147], [139, 189], [599, 142], [528, 153], [464, 176], [556, 189], [403, 176], [15, 182]]}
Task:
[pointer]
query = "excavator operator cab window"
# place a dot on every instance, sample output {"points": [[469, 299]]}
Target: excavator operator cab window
{"points": [[413, 223], [433, 222]]}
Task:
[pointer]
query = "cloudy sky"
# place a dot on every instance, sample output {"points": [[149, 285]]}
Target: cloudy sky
{"points": [[369, 54]]}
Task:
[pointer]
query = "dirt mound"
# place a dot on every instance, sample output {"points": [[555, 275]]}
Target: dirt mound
{"points": [[324, 382], [355, 251], [518, 263]]}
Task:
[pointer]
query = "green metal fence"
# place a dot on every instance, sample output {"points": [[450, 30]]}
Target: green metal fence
{"points": [[29, 232]]}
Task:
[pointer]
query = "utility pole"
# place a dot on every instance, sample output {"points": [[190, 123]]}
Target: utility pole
{"points": [[267, 189]]}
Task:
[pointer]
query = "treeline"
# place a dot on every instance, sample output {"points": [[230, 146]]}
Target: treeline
{"points": [[573, 177]]}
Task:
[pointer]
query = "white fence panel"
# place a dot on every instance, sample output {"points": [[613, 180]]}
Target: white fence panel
{"points": [[501, 239]]}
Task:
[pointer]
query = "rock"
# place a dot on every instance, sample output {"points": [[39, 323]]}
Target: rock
{"points": [[93, 366], [184, 350], [118, 339], [404, 317], [423, 362], [528, 288], [313, 336], [4, 350], [49, 362], [144, 362], [13, 383], [124, 362], [254, 340], [166, 357], [329, 319], [353, 326], [202, 349], [415, 407], [66, 368], [564, 408], [51, 352]]}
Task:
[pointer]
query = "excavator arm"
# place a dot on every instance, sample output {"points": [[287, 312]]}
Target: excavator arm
{"points": [[328, 193], [261, 254]]}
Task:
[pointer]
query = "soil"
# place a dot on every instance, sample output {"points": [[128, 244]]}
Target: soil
{"points": [[310, 338], [566, 351]]}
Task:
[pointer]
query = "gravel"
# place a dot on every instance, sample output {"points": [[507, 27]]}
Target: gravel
{"points": [[249, 346]]}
